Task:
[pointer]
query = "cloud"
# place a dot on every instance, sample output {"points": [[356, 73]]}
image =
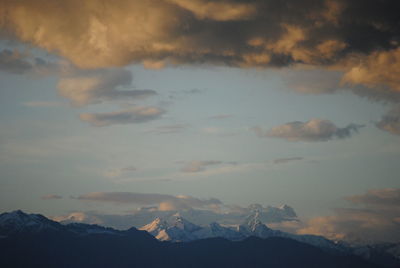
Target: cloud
{"points": [[378, 198], [51, 196], [96, 86], [287, 160], [134, 115], [377, 70], [164, 201], [360, 38], [167, 129], [219, 11], [390, 122], [376, 221], [312, 131]]}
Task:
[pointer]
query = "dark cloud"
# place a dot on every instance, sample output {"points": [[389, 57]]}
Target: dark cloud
{"points": [[313, 130], [286, 160], [129, 116], [51, 196]]}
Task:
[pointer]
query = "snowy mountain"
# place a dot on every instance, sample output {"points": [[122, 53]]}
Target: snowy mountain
{"points": [[18, 221], [177, 229], [174, 228]]}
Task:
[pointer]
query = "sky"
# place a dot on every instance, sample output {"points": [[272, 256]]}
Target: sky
{"points": [[269, 102]]}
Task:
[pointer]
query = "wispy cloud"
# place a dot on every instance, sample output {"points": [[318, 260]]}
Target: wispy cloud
{"points": [[129, 116], [196, 170], [167, 129]]}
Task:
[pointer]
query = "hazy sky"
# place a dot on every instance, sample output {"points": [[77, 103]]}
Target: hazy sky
{"points": [[245, 101]]}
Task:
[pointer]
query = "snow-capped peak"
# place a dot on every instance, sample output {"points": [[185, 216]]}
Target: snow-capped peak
{"points": [[155, 226]]}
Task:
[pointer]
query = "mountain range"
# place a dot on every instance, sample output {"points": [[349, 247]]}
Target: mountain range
{"points": [[32, 240]]}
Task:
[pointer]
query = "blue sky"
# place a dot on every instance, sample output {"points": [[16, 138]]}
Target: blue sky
{"points": [[210, 113]]}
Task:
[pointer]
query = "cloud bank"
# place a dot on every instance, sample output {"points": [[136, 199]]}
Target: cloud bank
{"points": [[378, 219], [311, 131]]}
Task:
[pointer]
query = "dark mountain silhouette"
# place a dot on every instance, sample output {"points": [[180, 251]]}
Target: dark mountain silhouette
{"points": [[35, 241]]}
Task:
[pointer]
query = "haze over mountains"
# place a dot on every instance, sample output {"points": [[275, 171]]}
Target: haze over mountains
{"points": [[46, 243], [230, 216]]}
